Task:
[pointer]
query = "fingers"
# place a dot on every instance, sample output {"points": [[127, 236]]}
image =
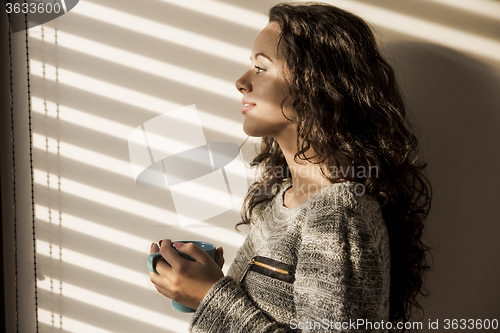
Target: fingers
{"points": [[183, 280], [193, 251], [219, 257], [158, 281], [154, 248], [154, 257], [170, 255], [163, 266]]}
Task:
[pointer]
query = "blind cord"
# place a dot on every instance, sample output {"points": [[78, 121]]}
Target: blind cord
{"points": [[31, 168]]}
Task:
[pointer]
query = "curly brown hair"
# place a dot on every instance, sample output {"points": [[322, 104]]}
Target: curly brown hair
{"points": [[349, 110]]}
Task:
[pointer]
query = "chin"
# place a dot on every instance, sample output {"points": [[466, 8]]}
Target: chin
{"points": [[255, 129], [251, 131], [261, 129]]}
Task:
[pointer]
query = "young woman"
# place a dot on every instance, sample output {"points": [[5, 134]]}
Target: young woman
{"points": [[337, 213]]}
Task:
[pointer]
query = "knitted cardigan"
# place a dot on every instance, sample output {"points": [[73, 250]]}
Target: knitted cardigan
{"points": [[335, 248]]}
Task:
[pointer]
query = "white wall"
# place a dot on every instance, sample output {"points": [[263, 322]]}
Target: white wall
{"points": [[109, 72]]}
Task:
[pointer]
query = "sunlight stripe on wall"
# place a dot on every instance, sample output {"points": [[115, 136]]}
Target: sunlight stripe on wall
{"points": [[224, 11], [127, 240], [99, 266], [67, 324], [122, 168], [101, 88], [120, 94], [82, 155], [105, 198], [142, 210], [481, 7], [93, 229], [80, 118], [433, 32], [148, 65], [116, 306], [164, 32], [98, 124]]}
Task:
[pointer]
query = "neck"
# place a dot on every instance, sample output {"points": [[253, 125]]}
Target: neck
{"points": [[306, 176]]}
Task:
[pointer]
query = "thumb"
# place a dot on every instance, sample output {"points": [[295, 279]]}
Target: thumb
{"points": [[219, 257]]}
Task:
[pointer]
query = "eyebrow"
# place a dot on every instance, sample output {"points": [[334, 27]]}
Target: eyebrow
{"points": [[262, 55]]}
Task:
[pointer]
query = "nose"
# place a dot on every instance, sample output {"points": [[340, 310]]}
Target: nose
{"points": [[243, 84]]}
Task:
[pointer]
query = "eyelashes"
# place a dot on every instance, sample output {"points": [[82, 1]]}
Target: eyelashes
{"points": [[259, 69]]}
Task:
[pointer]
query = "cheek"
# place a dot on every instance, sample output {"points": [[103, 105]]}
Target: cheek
{"points": [[271, 92]]}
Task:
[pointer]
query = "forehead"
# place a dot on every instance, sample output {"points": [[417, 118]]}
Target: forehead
{"points": [[267, 41]]}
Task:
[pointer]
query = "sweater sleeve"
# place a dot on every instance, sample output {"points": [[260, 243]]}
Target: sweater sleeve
{"points": [[339, 278], [241, 259], [343, 268]]}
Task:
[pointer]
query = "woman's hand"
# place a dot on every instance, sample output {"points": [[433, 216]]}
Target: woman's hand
{"points": [[185, 281]]}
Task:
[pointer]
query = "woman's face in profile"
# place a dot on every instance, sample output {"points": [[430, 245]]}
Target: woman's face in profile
{"points": [[264, 87]]}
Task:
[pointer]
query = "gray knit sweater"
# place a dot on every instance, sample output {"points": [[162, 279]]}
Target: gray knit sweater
{"points": [[333, 257]]}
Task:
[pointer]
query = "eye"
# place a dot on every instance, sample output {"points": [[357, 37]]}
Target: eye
{"points": [[259, 69]]}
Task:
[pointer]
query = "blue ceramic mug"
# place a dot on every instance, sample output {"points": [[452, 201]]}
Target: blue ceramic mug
{"points": [[205, 246]]}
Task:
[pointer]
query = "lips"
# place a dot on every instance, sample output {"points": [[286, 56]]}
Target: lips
{"points": [[246, 106]]}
